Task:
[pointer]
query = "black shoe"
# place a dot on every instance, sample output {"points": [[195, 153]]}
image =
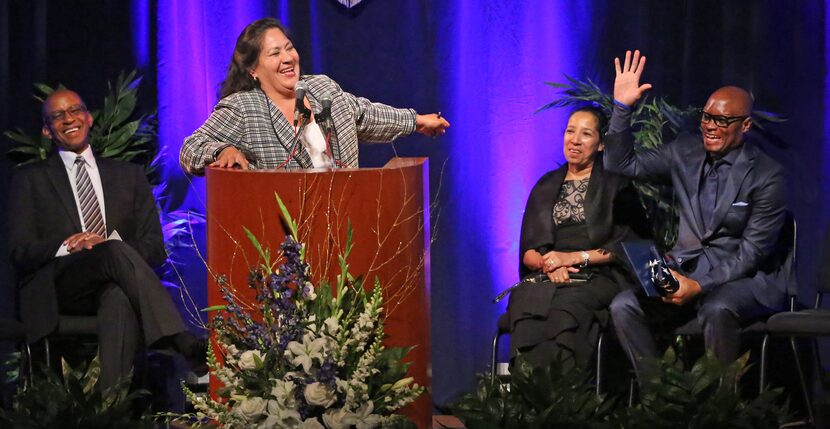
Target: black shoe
{"points": [[197, 359], [194, 350]]}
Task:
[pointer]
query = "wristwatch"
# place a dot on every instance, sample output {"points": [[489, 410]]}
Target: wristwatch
{"points": [[585, 258]]}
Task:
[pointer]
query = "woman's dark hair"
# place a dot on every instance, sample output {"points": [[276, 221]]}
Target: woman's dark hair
{"points": [[245, 56], [599, 114]]}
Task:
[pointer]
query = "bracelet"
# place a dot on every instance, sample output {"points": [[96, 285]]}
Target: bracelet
{"points": [[622, 105], [585, 258]]}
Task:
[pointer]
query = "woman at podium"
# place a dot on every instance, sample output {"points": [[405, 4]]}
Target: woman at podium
{"points": [[269, 116], [574, 219]]}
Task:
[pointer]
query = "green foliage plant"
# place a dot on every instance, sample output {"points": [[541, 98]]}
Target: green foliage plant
{"points": [[556, 396], [73, 401], [707, 395]]}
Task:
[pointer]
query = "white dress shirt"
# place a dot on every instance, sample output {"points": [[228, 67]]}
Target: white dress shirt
{"points": [[314, 143], [68, 159]]}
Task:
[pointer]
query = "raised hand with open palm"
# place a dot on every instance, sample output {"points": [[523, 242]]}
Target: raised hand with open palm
{"points": [[627, 88]]}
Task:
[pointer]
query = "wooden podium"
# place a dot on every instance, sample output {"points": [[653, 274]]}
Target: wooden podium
{"points": [[389, 212]]}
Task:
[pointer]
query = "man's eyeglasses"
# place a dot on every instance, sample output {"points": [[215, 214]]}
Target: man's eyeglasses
{"points": [[60, 115], [721, 121]]}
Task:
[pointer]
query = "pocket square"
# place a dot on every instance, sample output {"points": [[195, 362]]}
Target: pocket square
{"points": [[740, 204]]}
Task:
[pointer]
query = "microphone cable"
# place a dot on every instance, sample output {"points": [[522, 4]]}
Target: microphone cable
{"points": [[295, 144]]}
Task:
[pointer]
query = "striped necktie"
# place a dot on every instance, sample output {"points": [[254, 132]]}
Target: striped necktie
{"points": [[93, 221]]}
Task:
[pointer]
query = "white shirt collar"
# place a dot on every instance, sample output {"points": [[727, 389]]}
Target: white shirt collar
{"points": [[68, 158]]}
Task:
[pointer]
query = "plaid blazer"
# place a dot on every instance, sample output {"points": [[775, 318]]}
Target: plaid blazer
{"points": [[250, 122]]}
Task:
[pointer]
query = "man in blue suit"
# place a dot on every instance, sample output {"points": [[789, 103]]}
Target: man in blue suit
{"points": [[731, 204]]}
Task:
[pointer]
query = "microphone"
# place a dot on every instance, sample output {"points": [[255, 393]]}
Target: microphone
{"points": [[536, 278], [300, 89], [324, 117]]}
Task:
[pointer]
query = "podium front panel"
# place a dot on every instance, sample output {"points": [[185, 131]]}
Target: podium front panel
{"points": [[388, 209]]}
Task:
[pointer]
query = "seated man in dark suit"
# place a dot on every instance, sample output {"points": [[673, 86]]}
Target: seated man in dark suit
{"points": [[84, 233], [731, 204]]}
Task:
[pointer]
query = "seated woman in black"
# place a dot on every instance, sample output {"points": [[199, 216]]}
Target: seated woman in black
{"points": [[575, 217]]}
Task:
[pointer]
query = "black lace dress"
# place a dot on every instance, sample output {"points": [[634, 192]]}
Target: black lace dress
{"points": [[549, 320]]}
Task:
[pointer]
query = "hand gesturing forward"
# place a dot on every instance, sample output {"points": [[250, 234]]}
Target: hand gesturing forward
{"points": [[627, 88]]}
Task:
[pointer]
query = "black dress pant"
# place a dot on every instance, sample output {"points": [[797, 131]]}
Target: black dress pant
{"points": [[113, 282], [721, 313]]}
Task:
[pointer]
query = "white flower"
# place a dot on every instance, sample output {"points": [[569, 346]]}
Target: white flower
{"points": [[231, 352], [400, 384], [333, 418], [344, 387], [279, 417], [308, 293], [304, 353], [319, 394], [247, 360], [363, 417], [332, 326], [250, 408], [283, 391], [311, 423]]}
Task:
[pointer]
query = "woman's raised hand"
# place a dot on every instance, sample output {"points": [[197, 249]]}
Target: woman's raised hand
{"points": [[432, 125], [627, 88]]}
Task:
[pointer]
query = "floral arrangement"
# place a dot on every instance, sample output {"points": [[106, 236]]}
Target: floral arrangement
{"points": [[303, 355]]}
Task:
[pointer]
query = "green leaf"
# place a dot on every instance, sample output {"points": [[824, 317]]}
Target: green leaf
{"points": [[286, 215], [263, 253], [44, 89]]}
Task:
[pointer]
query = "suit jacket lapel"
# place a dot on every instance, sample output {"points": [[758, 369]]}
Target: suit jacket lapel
{"points": [[742, 166], [285, 135], [542, 226], [60, 180], [108, 179]]}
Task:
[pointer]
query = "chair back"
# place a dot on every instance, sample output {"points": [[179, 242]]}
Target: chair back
{"points": [[783, 258], [824, 265]]}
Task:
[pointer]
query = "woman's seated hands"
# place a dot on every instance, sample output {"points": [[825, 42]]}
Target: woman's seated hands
{"points": [[553, 260], [557, 265]]}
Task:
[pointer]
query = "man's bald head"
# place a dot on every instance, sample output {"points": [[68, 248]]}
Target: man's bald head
{"points": [[738, 100], [726, 117]]}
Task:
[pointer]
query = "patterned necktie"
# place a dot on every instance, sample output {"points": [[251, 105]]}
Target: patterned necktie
{"points": [[93, 221]]}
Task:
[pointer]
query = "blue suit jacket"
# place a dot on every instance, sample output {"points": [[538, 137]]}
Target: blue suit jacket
{"points": [[742, 241]]}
